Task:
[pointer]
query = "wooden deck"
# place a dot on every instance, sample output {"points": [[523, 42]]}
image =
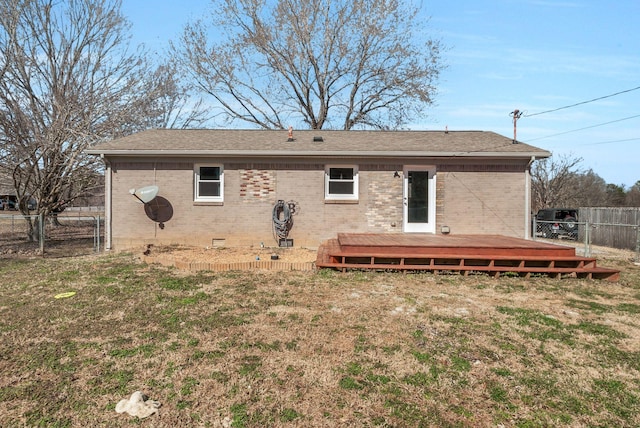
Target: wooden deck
{"points": [[466, 254]]}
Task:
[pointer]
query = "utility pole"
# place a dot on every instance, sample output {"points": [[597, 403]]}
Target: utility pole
{"points": [[516, 114]]}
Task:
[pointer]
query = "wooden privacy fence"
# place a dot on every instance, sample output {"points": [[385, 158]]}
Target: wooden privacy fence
{"points": [[617, 227]]}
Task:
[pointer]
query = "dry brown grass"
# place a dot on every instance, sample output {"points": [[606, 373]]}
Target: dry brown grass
{"points": [[315, 349]]}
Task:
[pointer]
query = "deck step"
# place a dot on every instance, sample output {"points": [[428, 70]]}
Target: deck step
{"points": [[332, 254]]}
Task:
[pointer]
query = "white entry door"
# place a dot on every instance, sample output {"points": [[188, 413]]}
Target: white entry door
{"points": [[419, 199]]}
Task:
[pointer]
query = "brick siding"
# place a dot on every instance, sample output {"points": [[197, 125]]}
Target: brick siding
{"points": [[480, 197]]}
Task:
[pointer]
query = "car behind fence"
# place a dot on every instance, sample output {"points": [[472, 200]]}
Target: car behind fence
{"points": [[63, 234], [586, 234]]}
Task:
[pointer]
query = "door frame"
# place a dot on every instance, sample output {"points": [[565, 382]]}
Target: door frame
{"points": [[430, 225]]}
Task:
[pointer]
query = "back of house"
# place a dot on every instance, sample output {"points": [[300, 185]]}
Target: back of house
{"points": [[265, 187]]}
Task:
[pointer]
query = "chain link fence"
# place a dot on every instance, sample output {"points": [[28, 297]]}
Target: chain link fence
{"points": [[557, 229], [584, 235], [62, 234]]}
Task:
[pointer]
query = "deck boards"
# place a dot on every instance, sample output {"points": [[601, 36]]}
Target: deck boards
{"points": [[448, 244], [492, 254]]}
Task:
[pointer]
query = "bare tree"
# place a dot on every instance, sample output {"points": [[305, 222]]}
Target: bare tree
{"points": [[591, 190], [334, 63], [67, 81], [559, 183], [553, 182], [169, 101], [633, 195]]}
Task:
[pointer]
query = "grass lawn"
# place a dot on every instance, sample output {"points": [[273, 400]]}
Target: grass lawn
{"points": [[314, 349]]}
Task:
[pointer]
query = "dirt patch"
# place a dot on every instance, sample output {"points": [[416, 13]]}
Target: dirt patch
{"points": [[243, 258], [274, 258]]}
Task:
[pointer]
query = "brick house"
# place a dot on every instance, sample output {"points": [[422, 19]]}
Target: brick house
{"points": [[222, 187]]}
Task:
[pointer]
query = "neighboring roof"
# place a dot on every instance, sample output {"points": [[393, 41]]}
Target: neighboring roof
{"points": [[235, 142]]}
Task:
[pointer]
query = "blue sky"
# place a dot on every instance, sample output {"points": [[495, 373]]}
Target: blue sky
{"points": [[530, 55]]}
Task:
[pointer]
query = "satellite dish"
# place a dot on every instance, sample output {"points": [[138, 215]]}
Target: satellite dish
{"points": [[145, 194]]}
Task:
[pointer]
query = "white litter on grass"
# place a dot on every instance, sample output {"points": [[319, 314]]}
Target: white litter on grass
{"points": [[461, 312], [138, 405], [403, 310]]}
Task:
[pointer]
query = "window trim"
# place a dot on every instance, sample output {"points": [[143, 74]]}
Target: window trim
{"points": [[338, 196], [197, 181]]}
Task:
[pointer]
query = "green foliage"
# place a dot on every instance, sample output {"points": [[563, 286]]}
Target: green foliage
{"points": [[354, 369], [424, 358], [419, 379], [528, 317], [599, 330], [595, 307], [460, 364], [630, 308], [348, 382], [177, 283], [189, 384], [501, 371], [250, 365], [114, 381], [239, 415], [616, 398], [146, 350], [289, 415]]}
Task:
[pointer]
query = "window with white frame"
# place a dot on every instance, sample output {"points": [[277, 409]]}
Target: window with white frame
{"points": [[209, 183], [341, 182]]}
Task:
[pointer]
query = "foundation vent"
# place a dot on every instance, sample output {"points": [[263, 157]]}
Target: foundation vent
{"points": [[218, 242]]}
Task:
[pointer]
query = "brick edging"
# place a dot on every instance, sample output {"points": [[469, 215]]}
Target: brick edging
{"points": [[272, 265]]}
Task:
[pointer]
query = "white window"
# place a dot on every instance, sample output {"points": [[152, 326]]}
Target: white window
{"points": [[341, 183], [209, 183]]}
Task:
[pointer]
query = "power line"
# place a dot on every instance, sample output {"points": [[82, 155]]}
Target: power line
{"points": [[583, 102], [611, 141], [586, 127]]}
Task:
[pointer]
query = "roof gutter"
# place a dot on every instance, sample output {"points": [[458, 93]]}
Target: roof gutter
{"points": [[300, 154]]}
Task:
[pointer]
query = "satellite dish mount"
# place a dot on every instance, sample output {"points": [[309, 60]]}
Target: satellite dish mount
{"points": [[156, 207], [145, 194]]}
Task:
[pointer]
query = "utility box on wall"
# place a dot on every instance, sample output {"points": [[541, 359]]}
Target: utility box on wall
{"points": [[286, 243]]}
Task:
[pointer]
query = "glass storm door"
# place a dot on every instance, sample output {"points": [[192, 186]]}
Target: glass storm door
{"points": [[419, 199]]}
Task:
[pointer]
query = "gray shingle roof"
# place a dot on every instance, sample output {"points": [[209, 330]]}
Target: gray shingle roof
{"points": [[235, 142]]}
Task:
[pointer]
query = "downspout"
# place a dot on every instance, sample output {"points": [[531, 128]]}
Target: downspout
{"points": [[527, 199], [107, 204]]}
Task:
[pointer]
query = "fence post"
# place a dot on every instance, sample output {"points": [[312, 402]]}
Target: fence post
{"points": [[587, 239], [98, 234], [638, 244], [41, 232]]}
